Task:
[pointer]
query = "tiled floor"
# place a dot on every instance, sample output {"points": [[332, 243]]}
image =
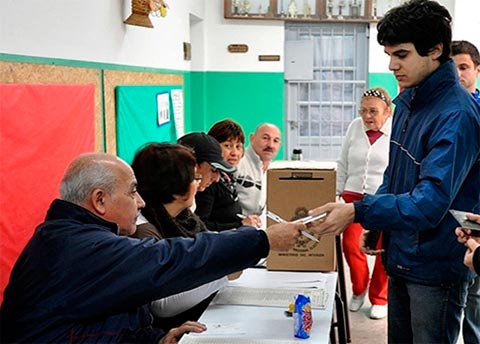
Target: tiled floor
{"points": [[363, 329]]}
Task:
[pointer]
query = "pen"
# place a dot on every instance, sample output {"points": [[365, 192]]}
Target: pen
{"points": [[310, 236], [241, 216], [275, 217], [278, 219]]}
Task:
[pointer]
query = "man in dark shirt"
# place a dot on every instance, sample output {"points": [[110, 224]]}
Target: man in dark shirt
{"points": [[82, 279]]}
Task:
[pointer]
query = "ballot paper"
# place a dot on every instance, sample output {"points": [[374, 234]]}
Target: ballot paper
{"points": [[274, 289], [251, 309], [259, 278], [272, 297], [223, 329]]}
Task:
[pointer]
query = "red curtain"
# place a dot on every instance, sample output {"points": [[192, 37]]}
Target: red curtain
{"points": [[42, 128]]}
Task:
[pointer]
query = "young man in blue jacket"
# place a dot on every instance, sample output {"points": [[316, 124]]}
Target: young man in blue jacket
{"points": [[433, 167], [81, 279]]}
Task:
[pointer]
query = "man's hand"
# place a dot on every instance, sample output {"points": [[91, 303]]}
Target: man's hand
{"points": [[367, 249], [472, 245], [174, 335], [339, 216], [463, 234], [283, 236], [473, 217]]}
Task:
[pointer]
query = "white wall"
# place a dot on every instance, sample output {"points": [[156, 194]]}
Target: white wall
{"points": [[93, 30], [262, 38], [466, 23], [466, 26]]}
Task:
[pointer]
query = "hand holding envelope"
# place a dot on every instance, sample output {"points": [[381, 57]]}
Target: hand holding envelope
{"points": [[304, 220], [339, 216]]}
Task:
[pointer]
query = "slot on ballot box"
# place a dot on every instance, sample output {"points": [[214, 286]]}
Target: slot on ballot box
{"points": [[293, 188]]}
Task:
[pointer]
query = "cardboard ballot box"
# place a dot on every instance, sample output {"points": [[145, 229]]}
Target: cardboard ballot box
{"points": [[293, 188]]}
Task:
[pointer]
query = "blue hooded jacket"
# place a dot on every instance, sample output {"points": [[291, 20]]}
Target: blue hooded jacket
{"points": [[433, 167]]}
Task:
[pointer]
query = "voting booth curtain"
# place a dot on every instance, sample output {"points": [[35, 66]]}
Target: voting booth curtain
{"points": [[42, 128]]}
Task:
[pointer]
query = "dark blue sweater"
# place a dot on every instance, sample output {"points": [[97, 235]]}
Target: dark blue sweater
{"points": [[78, 281]]}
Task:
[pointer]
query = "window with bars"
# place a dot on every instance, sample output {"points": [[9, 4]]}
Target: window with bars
{"points": [[320, 109]]}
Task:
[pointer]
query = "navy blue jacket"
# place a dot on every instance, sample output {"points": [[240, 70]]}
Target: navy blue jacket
{"points": [[433, 167], [77, 280]]}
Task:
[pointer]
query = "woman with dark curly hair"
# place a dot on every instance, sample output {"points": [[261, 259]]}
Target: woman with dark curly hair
{"points": [[168, 181]]}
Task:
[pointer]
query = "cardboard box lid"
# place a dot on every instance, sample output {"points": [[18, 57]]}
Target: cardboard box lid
{"points": [[303, 164]]}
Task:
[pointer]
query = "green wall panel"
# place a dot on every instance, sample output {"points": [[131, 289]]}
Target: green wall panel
{"points": [[248, 98], [385, 80], [195, 88], [137, 118]]}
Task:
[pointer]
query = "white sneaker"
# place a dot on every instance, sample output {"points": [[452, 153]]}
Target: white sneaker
{"points": [[356, 302], [378, 311]]}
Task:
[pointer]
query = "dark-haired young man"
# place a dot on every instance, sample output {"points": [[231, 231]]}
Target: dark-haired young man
{"points": [[467, 59], [434, 166]]}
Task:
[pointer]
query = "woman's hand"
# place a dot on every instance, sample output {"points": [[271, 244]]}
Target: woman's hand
{"points": [[252, 220], [234, 275], [174, 335]]}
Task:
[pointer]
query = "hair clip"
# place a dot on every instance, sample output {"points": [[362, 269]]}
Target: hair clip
{"points": [[375, 93]]}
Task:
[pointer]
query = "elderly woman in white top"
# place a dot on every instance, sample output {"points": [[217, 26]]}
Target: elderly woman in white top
{"points": [[361, 164]]}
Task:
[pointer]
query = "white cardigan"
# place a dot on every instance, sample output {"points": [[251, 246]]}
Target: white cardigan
{"points": [[361, 165]]}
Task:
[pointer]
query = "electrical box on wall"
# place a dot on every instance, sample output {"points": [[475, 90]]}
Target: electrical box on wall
{"points": [[299, 60]]}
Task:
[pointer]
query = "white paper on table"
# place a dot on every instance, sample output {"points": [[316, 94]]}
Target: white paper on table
{"points": [[258, 278], [199, 339], [275, 288], [271, 297], [222, 329]]}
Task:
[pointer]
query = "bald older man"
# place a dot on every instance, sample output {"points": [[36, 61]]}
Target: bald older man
{"points": [[251, 171], [79, 280]]}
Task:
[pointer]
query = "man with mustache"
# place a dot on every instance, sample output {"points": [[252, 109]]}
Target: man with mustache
{"points": [[251, 171]]}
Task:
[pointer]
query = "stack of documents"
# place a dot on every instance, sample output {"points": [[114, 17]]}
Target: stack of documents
{"points": [[188, 339], [251, 309], [272, 297]]}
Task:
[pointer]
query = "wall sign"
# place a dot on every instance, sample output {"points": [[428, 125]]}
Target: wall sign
{"points": [[237, 48], [268, 57]]}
